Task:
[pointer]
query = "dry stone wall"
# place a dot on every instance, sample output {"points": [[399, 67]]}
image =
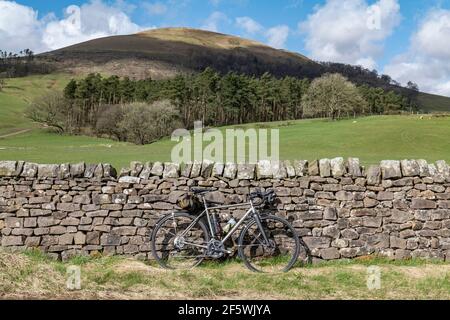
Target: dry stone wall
{"points": [[399, 209]]}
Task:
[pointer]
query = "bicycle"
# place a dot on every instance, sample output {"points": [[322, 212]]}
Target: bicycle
{"points": [[267, 243]]}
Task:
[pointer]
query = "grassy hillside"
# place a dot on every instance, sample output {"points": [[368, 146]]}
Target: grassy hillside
{"points": [[372, 138], [17, 95], [434, 103]]}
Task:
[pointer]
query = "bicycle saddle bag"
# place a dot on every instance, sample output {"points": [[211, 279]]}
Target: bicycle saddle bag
{"points": [[190, 203]]}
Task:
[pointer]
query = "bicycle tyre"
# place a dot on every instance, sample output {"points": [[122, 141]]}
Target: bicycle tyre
{"points": [[156, 235], [245, 239]]}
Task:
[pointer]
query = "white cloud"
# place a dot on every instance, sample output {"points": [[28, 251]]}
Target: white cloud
{"points": [[426, 60], [277, 36], [90, 21], [432, 33], [350, 31], [20, 27], [368, 63], [249, 25], [213, 22], [157, 8]]}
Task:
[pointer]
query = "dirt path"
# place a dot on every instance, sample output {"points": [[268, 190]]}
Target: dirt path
{"points": [[14, 133]]}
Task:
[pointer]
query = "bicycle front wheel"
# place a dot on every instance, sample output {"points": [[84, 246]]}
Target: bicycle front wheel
{"points": [[278, 254], [178, 242]]}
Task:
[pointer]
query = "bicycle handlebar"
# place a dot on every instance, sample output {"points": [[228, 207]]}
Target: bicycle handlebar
{"points": [[202, 190], [268, 196]]}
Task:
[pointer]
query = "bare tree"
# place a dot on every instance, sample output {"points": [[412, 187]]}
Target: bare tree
{"points": [[145, 123], [109, 118], [52, 110]]}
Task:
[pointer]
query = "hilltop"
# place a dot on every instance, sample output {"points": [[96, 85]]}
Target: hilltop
{"points": [[161, 53]]}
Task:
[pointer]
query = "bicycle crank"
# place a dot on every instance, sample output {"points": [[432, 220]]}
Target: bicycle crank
{"points": [[216, 249]]}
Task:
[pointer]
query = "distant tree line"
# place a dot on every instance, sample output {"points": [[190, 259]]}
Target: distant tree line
{"points": [[106, 106], [22, 64]]}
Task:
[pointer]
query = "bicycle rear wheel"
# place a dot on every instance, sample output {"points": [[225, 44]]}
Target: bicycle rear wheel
{"points": [[279, 254], [177, 243]]}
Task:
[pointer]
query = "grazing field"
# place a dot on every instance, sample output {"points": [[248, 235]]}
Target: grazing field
{"points": [[371, 138], [32, 275]]}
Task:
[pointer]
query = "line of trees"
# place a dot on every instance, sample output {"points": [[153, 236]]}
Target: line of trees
{"points": [[217, 99], [102, 105], [21, 64], [208, 96]]}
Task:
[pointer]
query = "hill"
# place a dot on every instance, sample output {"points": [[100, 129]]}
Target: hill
{"points": [[162, 53], [434, 103]]}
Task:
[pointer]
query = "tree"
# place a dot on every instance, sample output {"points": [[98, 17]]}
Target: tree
{"points": [[70, 89], [413, 86], [52, 110], [108, 120], [333, 96], [144, 123]]}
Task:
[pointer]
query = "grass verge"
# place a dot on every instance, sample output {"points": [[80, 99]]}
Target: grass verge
{"points": [[31, 275]]}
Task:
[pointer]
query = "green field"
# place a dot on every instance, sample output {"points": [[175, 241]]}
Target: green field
{"points": [[371, 138]]}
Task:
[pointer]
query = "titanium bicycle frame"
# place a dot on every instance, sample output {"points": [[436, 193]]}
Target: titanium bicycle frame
{"points": [[233, 230]]}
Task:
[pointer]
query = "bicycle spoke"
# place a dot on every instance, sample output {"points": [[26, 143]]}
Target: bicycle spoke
{"points": [[169, 232], [174, 223], [278, 255], [257, 238], [178, 242]]}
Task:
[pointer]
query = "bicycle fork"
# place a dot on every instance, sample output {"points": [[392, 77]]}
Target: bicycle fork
{"points": [[261, 229]]}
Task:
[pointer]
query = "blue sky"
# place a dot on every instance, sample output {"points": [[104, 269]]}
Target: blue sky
{"points": [[408, 33]]}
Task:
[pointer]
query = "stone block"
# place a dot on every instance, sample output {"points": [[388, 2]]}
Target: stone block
{"points": [[8, 168], [390, 169], [337, 167]]}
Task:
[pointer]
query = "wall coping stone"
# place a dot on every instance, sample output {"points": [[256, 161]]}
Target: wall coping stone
{"points": [[325, 168]]}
